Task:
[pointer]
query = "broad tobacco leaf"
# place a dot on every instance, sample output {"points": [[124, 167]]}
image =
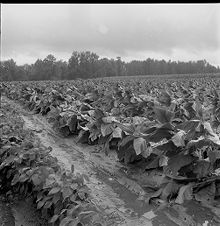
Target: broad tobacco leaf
{"points": [[163, 160], [167, 147], [212, 136], [130, 155], [206, 194], [198, 143], [83, 137], [54, 190], [214, 155], [106, 129], [126, 127], [54, 218], [154, 163], [109, 119], [202, 168], [208, 128], [170, 190], [126, 140], [204, 141], [126, 150], [185, 193], [141, 147], [37, 179], [98, 114], [72, 123], [67, 192], [163, 115], [145, 153], [214, 139], [178, 138], [117, 133], [138, 120], [154, 195], [164, 98], [189, 125], [197, 106], [146, 98], [176, 162], [160, 134]]}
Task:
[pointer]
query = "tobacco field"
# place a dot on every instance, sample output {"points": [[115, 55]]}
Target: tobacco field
{"points": [[157, 137]]}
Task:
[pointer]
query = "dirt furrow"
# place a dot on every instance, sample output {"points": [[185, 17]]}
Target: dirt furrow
{"points": [[111, 189], [113, 193]]}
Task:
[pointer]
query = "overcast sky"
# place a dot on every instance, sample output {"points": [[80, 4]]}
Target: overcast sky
{"points": [[133, 31]]}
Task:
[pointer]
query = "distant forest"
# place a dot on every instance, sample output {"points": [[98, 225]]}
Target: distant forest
{"points": [[87, 64]]}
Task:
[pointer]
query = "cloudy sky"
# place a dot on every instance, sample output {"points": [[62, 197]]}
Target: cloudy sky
{"points": [[133, 31]]}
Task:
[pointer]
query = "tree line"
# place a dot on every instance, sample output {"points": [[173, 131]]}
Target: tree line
{"points": [[87, 64]]}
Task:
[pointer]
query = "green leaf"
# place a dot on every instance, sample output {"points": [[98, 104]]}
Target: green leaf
{"points": [[164, 98], [178, 139], [127, 153], [48, 204], [87, 212], [66, 221], [176, 162], [206, 194], [185, 193], [39, 196], [127, 128], [56, 198], [189, 125], [163, 160], [154, 195], [208, 128], [214, 155], [36, 179], [146, 152], [126, 140], [23, 177], [54, 218], [154, 163], [72, 123], [202, 168], [163, 115], [198, 143], [85, 177], [98, 114], [15, 179], [197, 106], [160, 134], [106, 129], [40, 204], [74, 186], [139, 145], [214, 138], [73, 197], [170, 190], [109, 119], [67, 192], [54, 190], [117, 133]]}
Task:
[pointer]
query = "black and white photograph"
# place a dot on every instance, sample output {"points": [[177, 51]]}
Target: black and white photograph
{"points": [[110, 114]]}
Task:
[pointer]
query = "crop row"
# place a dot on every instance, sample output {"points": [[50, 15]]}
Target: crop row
{"points": [[28, 170], [172, 127]]}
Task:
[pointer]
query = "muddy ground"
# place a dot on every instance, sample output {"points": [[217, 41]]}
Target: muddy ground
{"points": [[117, 194]]}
